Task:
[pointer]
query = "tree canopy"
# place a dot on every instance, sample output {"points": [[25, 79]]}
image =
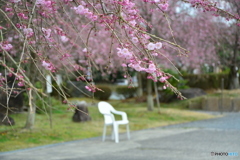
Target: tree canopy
{"points": [[71, 37]]}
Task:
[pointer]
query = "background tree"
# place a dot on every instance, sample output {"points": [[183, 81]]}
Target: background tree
{"points": [[228, 44]]}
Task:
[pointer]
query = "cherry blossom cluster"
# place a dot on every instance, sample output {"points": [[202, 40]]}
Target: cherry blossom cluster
{"points": [[20, 79], [206, 5], [48, 66], [162, 4], [22, 15], [5, 46], [209, 6], [124, 53], [91, 88], [81, 10], [152, 46], [46, 7], [144, 65], [28, 32]]}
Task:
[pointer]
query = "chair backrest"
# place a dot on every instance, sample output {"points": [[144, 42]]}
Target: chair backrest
{"points": [[106, 108]]}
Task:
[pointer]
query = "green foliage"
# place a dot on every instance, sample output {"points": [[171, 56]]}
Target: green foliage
{"points": [[38, 85], [104, 94], [126, 91], [207, 81]]}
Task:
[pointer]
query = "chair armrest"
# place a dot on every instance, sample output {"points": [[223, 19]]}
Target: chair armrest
{"points": [[123, 114], [110, 115]]}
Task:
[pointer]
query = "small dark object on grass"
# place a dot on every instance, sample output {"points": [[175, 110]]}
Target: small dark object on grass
{"points": [[11, 96], [81, 112], [141, 99], [8, 121]]}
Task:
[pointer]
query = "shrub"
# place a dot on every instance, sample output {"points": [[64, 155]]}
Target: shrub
{"points": [[126, 92], [104, 94], [207, 81]]}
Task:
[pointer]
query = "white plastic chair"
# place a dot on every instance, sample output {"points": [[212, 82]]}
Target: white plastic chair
{"points": [[109, 120]]}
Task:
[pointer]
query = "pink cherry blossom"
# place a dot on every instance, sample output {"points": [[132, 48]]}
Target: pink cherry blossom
{"points": [[158, 45], [84, 50], [85, 11], [6, 46], [21, 84], [8, 9], [124, 53], [47, 32], [67, 1], [22, 15], [163, 79], [151, 46], [80, 9], [154, 54], [124, 65], [28, 32], [135, 40], [151, 68], [64, 39], [164, 6], [40, 2], [46, 64], [91, 88], [136, 66]]}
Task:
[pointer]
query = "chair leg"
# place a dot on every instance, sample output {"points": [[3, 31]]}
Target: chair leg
{"points": [[104, 133], [112, 136], [115, 127], [128, 131]]}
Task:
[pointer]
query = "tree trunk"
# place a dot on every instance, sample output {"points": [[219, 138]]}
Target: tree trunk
{"points": [[31, 112], [31, 118], [233, 78], [149, 95], [157, 96], [140, 87], [233, 75], [31, 95]]}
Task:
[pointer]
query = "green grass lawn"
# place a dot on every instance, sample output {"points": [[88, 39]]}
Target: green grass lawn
{"points": [[15, 137]]}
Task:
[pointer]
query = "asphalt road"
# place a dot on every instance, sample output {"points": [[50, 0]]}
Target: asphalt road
{"points": [[201, 140]]}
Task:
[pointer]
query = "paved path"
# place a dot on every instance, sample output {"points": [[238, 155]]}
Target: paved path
{"points": [[189, 141]]}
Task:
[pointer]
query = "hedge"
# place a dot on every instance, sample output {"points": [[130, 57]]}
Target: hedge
{"points": [[104, 94], [207, 81], [126, 91]]}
